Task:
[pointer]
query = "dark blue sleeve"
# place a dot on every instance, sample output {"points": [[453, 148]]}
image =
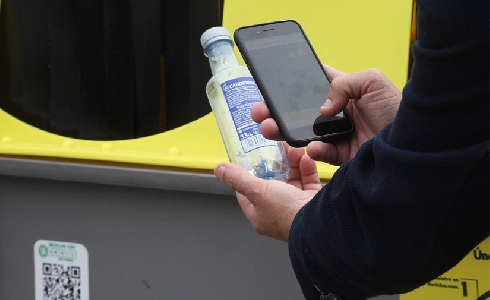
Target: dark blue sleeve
{"points": [[415, 199]]}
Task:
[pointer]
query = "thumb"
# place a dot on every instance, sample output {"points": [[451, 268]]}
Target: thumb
{"points": [[349, 86], [332, 72], [337, 98], [240, 180]]}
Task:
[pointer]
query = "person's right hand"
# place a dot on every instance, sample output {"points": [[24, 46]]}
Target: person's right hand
{"points": [[369, 96]]}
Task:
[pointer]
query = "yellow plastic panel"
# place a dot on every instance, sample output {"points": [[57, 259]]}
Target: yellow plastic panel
{"points": [[468, 280], [196, 145], [349, 35]]}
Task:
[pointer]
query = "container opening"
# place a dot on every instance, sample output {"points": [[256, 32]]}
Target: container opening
{"points": [[105, 70]]}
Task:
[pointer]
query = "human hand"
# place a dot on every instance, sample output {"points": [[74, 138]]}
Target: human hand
{"points": [[271, 205], [371, 99]]}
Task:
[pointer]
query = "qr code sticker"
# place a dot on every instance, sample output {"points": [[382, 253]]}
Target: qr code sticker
{"points": [[61, 282]]}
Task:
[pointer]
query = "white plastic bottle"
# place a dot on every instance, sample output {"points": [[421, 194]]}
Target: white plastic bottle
{"points": [[232, 92]]}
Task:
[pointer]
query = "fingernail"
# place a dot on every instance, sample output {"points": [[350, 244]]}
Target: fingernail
{"points": [[221, 171], [328, 104]]}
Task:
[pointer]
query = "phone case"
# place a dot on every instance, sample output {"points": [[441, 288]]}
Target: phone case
{"points": [[282, 128]]}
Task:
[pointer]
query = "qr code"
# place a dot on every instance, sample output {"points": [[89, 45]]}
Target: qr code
{"points": [[61, 282]]}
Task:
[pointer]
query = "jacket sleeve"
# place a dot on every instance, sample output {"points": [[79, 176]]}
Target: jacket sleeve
{"points": [[415, 199]]}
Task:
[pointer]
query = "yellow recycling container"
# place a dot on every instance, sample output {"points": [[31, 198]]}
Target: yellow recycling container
{"points": [[337, 30]]}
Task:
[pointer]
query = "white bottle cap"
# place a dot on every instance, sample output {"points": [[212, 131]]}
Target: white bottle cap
{"points": [[214, 34]]}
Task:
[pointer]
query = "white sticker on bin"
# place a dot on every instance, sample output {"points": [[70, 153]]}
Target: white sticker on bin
{"points": [[61, 270]]}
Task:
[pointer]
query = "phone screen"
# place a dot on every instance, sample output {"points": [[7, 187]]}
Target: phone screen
{"points": [[291, 77]]}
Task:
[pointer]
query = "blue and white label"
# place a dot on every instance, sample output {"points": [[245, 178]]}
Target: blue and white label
{"points": [[241, 94]]}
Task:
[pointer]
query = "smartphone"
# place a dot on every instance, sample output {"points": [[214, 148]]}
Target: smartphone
{"points": [[292, 81]]}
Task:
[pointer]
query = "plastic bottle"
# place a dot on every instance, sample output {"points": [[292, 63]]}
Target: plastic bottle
{"points": [[232, 92]]}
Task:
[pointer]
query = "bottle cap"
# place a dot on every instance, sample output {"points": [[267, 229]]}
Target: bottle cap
{"points": [[214, 34]]}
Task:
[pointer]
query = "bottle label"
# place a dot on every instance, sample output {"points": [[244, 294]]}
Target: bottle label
{"points": [[241, 94]]}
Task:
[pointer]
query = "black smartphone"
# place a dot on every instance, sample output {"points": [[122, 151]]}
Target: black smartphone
{"points": [[292, 81]]}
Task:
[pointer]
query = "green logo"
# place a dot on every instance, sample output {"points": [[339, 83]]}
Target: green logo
{"points": [[43, 251], [64, 252]]}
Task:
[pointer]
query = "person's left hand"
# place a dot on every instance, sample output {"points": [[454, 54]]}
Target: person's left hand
{"points": [[271, 205]]}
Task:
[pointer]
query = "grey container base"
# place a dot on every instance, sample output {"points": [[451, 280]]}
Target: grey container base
{"points": [[149, 234]]}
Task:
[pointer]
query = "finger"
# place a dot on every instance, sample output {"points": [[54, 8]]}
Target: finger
{"points": [[346, 87], [324, 152], [294, 157], [260, 112], [247, 207], [310, 179], [332, 73], [241, 181], [270, 130], [303, 174], [338, 96]]}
